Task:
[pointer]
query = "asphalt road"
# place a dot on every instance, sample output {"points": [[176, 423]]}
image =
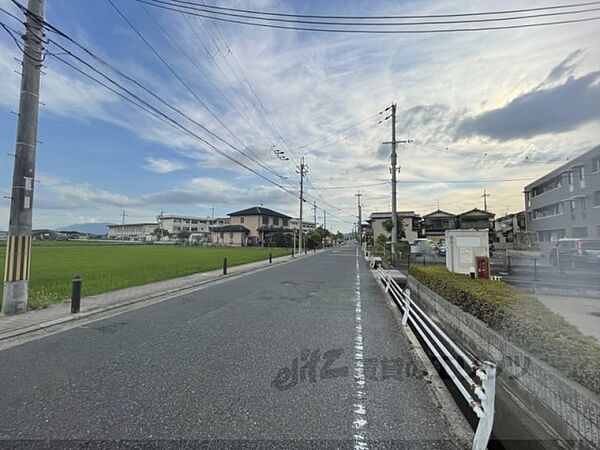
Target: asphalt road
{"points": [[223, 366]]}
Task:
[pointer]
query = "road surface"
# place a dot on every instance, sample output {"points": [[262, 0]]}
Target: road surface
{"points": [[224, 364], [582, 312]]}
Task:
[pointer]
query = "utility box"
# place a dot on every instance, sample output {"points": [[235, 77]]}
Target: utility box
{"points": [[463, 247]]}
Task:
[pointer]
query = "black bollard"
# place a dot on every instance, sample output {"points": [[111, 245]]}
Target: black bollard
{"points": [[76, 295], [270, 257], [224, 266]]}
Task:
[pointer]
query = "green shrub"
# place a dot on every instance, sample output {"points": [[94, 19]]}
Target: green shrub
{"points": [[522, 319]]}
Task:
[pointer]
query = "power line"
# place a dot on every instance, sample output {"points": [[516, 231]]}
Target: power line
{"points": [[479, 13], [357, 31], [253, 16]]}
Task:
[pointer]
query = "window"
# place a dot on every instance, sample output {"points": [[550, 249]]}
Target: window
{"points": [[177, 220], [231, 235], [222, 234], [597, 198], [572, 206], [241, 220], [285, 222], [581, 176], [583, 201], [596, 164], [570, 178], [194, 228], [265, 220], [275, 220], [580, 232]]}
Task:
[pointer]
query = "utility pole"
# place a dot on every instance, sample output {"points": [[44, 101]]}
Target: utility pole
{"points": [[302, 170], [18, 245], [315, 212], [324, 219], [359, 220], [485, 196], [393, 171], [123, 215]]}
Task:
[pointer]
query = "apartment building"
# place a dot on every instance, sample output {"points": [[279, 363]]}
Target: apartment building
{"points": [[566, 201]]}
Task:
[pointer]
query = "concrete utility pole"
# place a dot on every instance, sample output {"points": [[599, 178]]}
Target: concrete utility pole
{"points": [[315, 212], [359, 220], [123, 215], [393, 171], [485, 196], [18, 245], [302, 170]]}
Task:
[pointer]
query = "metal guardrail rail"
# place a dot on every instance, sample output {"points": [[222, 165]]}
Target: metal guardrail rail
{"points": [[452, 358]]}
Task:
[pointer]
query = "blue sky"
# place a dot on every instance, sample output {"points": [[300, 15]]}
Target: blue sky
{"points": [[505, 95]]}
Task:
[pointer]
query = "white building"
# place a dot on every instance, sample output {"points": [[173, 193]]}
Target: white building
{"points": [[307, 226], [175, 224], [132, 231]]}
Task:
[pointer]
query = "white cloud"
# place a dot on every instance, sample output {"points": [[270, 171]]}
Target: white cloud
{"points": [[312, 85], [160, 165]]}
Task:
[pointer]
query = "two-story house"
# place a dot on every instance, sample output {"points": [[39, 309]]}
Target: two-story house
{"points": [[436, 223], [251, 226]]}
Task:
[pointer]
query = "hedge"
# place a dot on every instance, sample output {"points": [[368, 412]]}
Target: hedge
{"points": [[522, 319]]}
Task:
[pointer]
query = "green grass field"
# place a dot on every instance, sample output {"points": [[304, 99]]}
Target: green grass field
{"points": [[105, 267]]}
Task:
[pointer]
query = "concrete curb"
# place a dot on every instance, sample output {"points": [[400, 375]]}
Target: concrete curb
{"points": [[460, 430], [166, 293]]}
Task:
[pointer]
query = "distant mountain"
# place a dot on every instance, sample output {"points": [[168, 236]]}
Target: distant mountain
{"points": [[92, 228]]}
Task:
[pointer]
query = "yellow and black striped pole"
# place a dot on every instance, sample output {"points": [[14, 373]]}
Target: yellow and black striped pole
{"points": [[18, 252], [18, 246]]}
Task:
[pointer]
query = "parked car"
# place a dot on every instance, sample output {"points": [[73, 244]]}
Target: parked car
{"points": [[422, 247], [441, 249], [576, 252]]}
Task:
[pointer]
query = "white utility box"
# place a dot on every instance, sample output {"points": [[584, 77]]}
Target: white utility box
{"points": [[463, 246]]}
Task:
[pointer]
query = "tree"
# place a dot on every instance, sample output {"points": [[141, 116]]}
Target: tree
{"points": [[388, 225], [160, 232], [280, 239]]}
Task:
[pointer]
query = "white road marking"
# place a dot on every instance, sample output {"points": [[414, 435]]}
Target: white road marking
{"points": [[360, 412]]}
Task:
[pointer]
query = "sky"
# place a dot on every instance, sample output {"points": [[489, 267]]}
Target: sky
{"points": [[473, 104]]}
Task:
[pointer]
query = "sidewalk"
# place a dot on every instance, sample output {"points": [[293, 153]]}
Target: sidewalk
{"points": [[16, 325]]}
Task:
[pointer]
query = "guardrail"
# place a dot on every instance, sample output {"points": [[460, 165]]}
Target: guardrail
{"points": [[452, 360]]}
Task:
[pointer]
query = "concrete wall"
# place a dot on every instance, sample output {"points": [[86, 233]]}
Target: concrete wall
{"points": [[534, 401]]}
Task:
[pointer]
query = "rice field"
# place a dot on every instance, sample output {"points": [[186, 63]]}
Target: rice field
{"points": [[105, 267]]}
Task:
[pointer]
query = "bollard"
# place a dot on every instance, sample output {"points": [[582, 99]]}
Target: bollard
{"points": [[315, 250], [535, 270], [76, 295], [224, 266], [305, 251], [270, 257]]}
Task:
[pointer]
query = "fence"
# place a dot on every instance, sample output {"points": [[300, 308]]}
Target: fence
{"points": [[452, 358]]}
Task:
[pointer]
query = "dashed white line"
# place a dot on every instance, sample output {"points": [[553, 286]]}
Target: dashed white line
{"points": [[359, 425]]}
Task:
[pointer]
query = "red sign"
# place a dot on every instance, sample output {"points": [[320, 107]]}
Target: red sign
{"points": [[483, 267]]}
